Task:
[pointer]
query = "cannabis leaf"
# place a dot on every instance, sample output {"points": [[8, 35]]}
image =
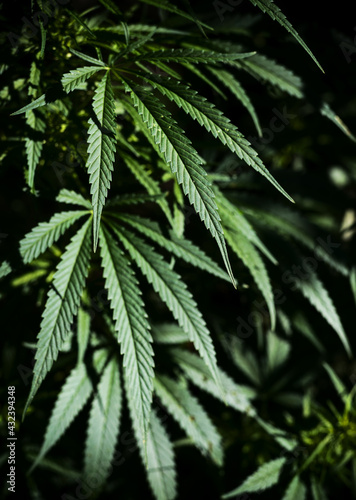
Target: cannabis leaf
{"points": [[266, 476], [71, 399], [190, 415], [174, 294], [103, 425], [275, 13], [62, 305], [101, 149], [161, 469], [184, 161], [46, 233], [133, 331]]}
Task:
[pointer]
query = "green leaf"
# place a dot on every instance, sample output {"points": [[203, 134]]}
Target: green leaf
{"points": [[174, 294], [62, 305], [33, 153], [281, 437], [169, 333], [184, 161], [244, 360], [245, 250], [236, 396], [133, 331], [87, 58], [296, 490], [269, 71], [353, 281], [33, 148], [191, 56], [73, 395], [46, 233], [72, 198], [5, 269], [317, 489], [235, 219], [83, 333], [40, 101], [266, 476], [238, 91], [73, 79], [132, 199], [275, 13], [329, 113], [314, 291], [43, 38], [103, 426], [190, 415], [161, 471], [178, 246], [101, 149], [215, 122], [277, 351], [337, 383], [290, 223], [144, 178]]}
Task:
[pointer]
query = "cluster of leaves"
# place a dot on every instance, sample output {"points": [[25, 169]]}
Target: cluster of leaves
{"points": [[124, 83]]}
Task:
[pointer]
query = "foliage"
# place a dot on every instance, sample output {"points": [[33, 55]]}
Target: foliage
{"points": [[131, 335]]}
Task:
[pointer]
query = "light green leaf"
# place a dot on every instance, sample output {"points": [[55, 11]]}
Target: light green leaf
{"points": [[72, 198], [296, 490], [317, 489], [235, 219], [169, 333], [184, 161], [353, 281], [46, 233], [161, 470], [87, 58], [33, 147], [337, 383], [133, 331], [174, 294], [73, 79], [83, 333], [72, 397], [215, 122], [5, 269], [243, 359], [266, 476], [190, 415], [62, 305], [180, 247], [277, 351], [329, 113], [236, 396], [101, 150], [103, 426], [269, 71], [314, 291], [40, 101]]}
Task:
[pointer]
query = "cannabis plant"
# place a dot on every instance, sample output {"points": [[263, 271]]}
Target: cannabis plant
{"points": [[117, 168]]}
